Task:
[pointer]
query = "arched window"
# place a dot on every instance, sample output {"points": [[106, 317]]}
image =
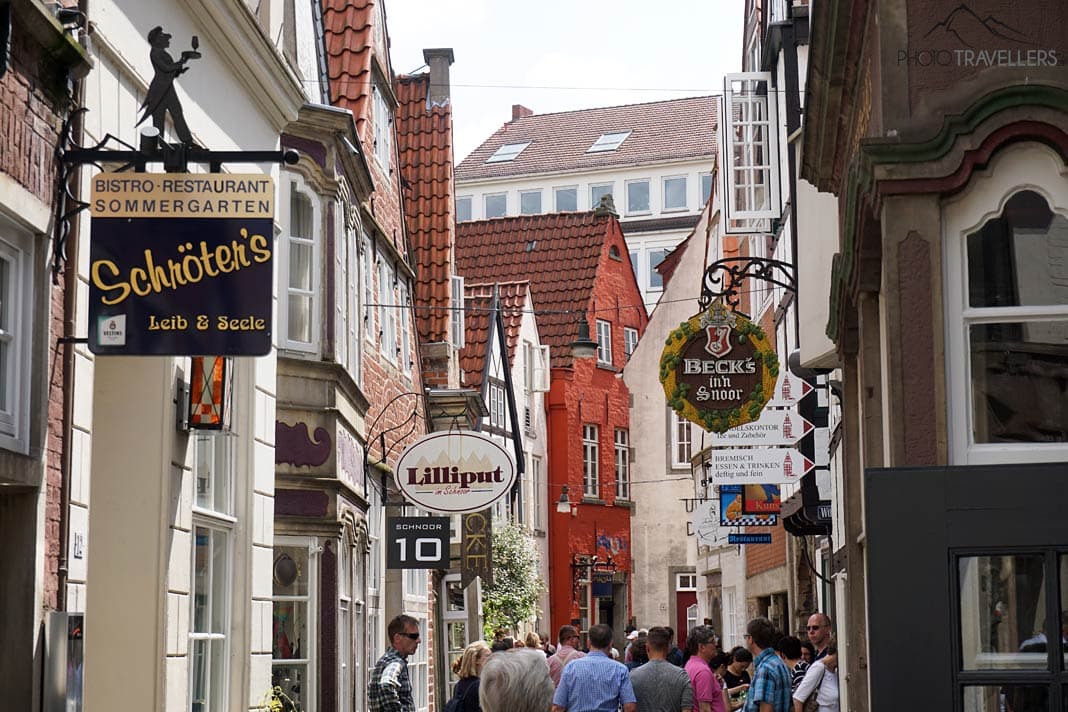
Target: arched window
{"points": [[1007, 312]]}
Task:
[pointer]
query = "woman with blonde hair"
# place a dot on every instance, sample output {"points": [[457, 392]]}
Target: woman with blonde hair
{"points": [[532, 640], [468, 667]]}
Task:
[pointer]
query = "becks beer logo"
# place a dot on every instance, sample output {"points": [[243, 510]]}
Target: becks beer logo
{"points": [[964, 38], [719, 340]]}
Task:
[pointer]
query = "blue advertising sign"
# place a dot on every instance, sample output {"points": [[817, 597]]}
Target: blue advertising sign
{"points": [[749, 538], [181, 264]]}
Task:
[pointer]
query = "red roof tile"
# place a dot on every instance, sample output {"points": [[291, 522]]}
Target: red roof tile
{"points": [[424, 140], [478, 306], [662, 130], [348, 35], [557, 253]]}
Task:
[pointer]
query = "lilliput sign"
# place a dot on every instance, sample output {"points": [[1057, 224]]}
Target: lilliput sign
{"points": [[454, 472], [180, 264], [718, 369]]}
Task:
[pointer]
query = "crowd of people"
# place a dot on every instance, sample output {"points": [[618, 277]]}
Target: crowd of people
{"points": [[772, 672]]}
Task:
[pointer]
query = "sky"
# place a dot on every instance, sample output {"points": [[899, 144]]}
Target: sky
{"points": [[558, 55]]}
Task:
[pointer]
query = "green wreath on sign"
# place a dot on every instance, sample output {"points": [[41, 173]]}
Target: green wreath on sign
{"points": [[718, 421]]}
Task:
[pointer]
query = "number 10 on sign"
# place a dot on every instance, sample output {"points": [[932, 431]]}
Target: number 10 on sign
{"points": [[417, 543]]}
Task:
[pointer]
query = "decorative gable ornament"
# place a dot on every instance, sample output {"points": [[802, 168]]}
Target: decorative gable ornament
{"points": [[718, 369]]}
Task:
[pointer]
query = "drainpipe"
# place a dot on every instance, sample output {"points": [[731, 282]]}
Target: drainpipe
{"points": [[70, 291]]}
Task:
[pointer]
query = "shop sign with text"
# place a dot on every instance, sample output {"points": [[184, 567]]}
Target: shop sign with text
{"points": [[455, 472], [718, 369], [740, 466], [180, 264]]}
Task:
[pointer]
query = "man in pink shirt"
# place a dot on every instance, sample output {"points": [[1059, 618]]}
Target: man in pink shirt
{"points": [[565, 653], [708, 694]]}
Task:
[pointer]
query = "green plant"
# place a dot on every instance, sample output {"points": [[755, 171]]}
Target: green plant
{"points": [[513, 596]]}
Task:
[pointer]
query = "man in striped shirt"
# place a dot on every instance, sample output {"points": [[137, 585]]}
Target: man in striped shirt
{"points": [[770, 688], [595, 683]]}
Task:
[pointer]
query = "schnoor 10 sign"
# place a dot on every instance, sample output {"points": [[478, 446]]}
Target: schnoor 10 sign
{"points": [[454, 472]]}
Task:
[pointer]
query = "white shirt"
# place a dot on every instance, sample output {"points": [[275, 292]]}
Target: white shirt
{"points": [[827, 697]]}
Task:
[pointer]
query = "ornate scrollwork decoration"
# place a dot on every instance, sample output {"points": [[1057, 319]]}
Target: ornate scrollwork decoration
{"points": [[724, 278]]}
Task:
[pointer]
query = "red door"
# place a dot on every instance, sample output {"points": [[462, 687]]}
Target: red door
{"points": [[683, 600]]}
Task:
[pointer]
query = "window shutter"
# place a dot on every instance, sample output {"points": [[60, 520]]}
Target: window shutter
{"points": [[749, 142], [541, 370]]}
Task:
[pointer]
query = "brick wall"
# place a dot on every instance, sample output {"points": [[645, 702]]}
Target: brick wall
{"points": [[31, 97]]}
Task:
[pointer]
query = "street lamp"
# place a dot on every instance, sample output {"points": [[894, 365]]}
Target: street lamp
{"points": [[583, 346], [563, 505]]}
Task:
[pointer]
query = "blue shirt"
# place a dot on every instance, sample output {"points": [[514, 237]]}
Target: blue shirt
{"points": [[771, 683], [595, 683]]}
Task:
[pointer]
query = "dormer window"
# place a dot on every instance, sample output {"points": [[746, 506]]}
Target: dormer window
{"points": [[608, 142], [507, 152]]}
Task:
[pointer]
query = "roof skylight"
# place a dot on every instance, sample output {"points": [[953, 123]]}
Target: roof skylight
{"points": [[507, 152], [608, 142]]}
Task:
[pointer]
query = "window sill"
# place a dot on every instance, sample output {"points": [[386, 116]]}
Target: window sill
{"points": [[624, 503], [683, 209], [640, 213], [587, 499], [607, 367]]}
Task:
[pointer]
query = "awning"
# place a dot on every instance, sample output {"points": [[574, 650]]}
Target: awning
{"points": [[804, 513]]}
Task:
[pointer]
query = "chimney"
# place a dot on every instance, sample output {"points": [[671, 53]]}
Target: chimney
{"points": [[440, 60], [519, 111]]}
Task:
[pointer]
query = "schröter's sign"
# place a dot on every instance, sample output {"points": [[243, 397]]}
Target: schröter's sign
{"points": [[454, 472], [718, 369], [180, 264]]}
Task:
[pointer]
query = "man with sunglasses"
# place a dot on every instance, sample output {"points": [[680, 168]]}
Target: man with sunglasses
{"points": [[819, 633], [390, 689]]}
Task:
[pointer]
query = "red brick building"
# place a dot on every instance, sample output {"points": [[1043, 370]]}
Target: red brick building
{"points": [[579, 274]]}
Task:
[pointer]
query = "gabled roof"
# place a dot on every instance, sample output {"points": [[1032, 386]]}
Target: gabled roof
{"points": [[424, 140], [557, 253], [660, 131], [348, 37], [478, 310]]}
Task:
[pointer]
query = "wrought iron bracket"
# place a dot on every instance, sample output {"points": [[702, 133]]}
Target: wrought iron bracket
{"points": [[724, 278], [174, 158]]}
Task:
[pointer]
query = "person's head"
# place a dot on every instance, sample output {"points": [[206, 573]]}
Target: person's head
{"points": [[158, 38], [505, 643], [789, 648], [629, 629], [403, 634], [569, 635], [719, 663], [601, 637], [808, 652], [740, 659], [702, 642], [658, 642], [639, 651], [470, 663], [516, 682], [761, 634], [531, 640], [671, 632], [819, 630], [517, 643], [544, 637]]}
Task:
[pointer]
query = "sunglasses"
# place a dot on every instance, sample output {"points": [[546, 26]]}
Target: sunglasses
{"points": [[814, 627], [411, 636]]}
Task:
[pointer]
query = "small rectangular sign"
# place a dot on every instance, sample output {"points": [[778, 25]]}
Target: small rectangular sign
{"points": [[417, 542], [749, 538], [761, 499], [774, 427], [180, 264], [476, 547], [731, 510], [739, 466]]}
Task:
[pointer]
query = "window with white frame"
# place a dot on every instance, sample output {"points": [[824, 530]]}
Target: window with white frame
{"points": [[675, 193], [387, 310], [404, 318], [507, 152], [302, 268], [383, 128], [212, 570], [345, 604], [638, 196], [367, 278], [604, 342], [598, 191], [731, 632], [375, 574], [418, 664], [454, 615], [360, 661], [630, 340], [463, 208], [566, 199], [456, 311], [608, 142], [16, 289], [591, 452], [293, 599], [1006, 249], [347, 301], [759, 290], [751, 160], [622, 464], [535, 368], [495, 205], [681, 440], [497, 406], [537, 478], [655, 280], [686, 582], [530, 202], [706, 187]]}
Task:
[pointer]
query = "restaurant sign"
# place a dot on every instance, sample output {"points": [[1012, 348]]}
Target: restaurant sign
{"points": [[718, 369], [180, 264], [454, 472]]}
